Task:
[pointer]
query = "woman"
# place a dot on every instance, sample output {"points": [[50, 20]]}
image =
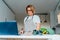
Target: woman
{"points": [[31, 22]]}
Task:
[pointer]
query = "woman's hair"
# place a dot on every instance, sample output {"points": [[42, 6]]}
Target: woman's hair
{"points": [[31, 7]]}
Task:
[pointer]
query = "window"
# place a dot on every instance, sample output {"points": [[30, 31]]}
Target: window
{"points": [[58, 18]]}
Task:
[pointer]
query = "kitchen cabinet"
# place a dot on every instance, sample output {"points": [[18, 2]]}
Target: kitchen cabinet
{"points": [[8, 28]]}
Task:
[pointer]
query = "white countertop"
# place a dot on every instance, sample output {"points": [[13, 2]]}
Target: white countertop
{"points": [[49, 37], [29, 36]]}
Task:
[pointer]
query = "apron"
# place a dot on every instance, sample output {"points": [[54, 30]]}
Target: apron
{"points": [[30, 25]]}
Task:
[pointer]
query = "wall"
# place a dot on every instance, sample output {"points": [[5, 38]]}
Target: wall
{"points": [[5, 13], [52, 19]]}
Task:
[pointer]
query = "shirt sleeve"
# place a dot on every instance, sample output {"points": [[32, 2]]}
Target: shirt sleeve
{"points": [[36, 19]]}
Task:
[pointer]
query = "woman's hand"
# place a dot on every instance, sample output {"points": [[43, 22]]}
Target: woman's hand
{"points": [[38, 26], [22, 31]]}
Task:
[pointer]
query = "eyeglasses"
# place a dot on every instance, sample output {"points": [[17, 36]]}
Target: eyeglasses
{"points": [[29, 10]]}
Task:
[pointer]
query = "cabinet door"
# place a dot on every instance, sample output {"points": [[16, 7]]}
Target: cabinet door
{"points": [[3, 27], [12, 28], [8, 28]]}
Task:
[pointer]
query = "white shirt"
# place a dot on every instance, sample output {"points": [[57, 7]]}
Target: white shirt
{"points": [[36, 19]]}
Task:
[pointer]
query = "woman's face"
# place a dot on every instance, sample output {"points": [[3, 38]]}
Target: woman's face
{"points": [[30, 13]]}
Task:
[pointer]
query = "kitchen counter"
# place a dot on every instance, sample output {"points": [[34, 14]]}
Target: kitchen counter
{"points": [[52, 37]]}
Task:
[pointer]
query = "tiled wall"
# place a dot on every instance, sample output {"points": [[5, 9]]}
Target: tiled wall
{"points": [[45, 24]]}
